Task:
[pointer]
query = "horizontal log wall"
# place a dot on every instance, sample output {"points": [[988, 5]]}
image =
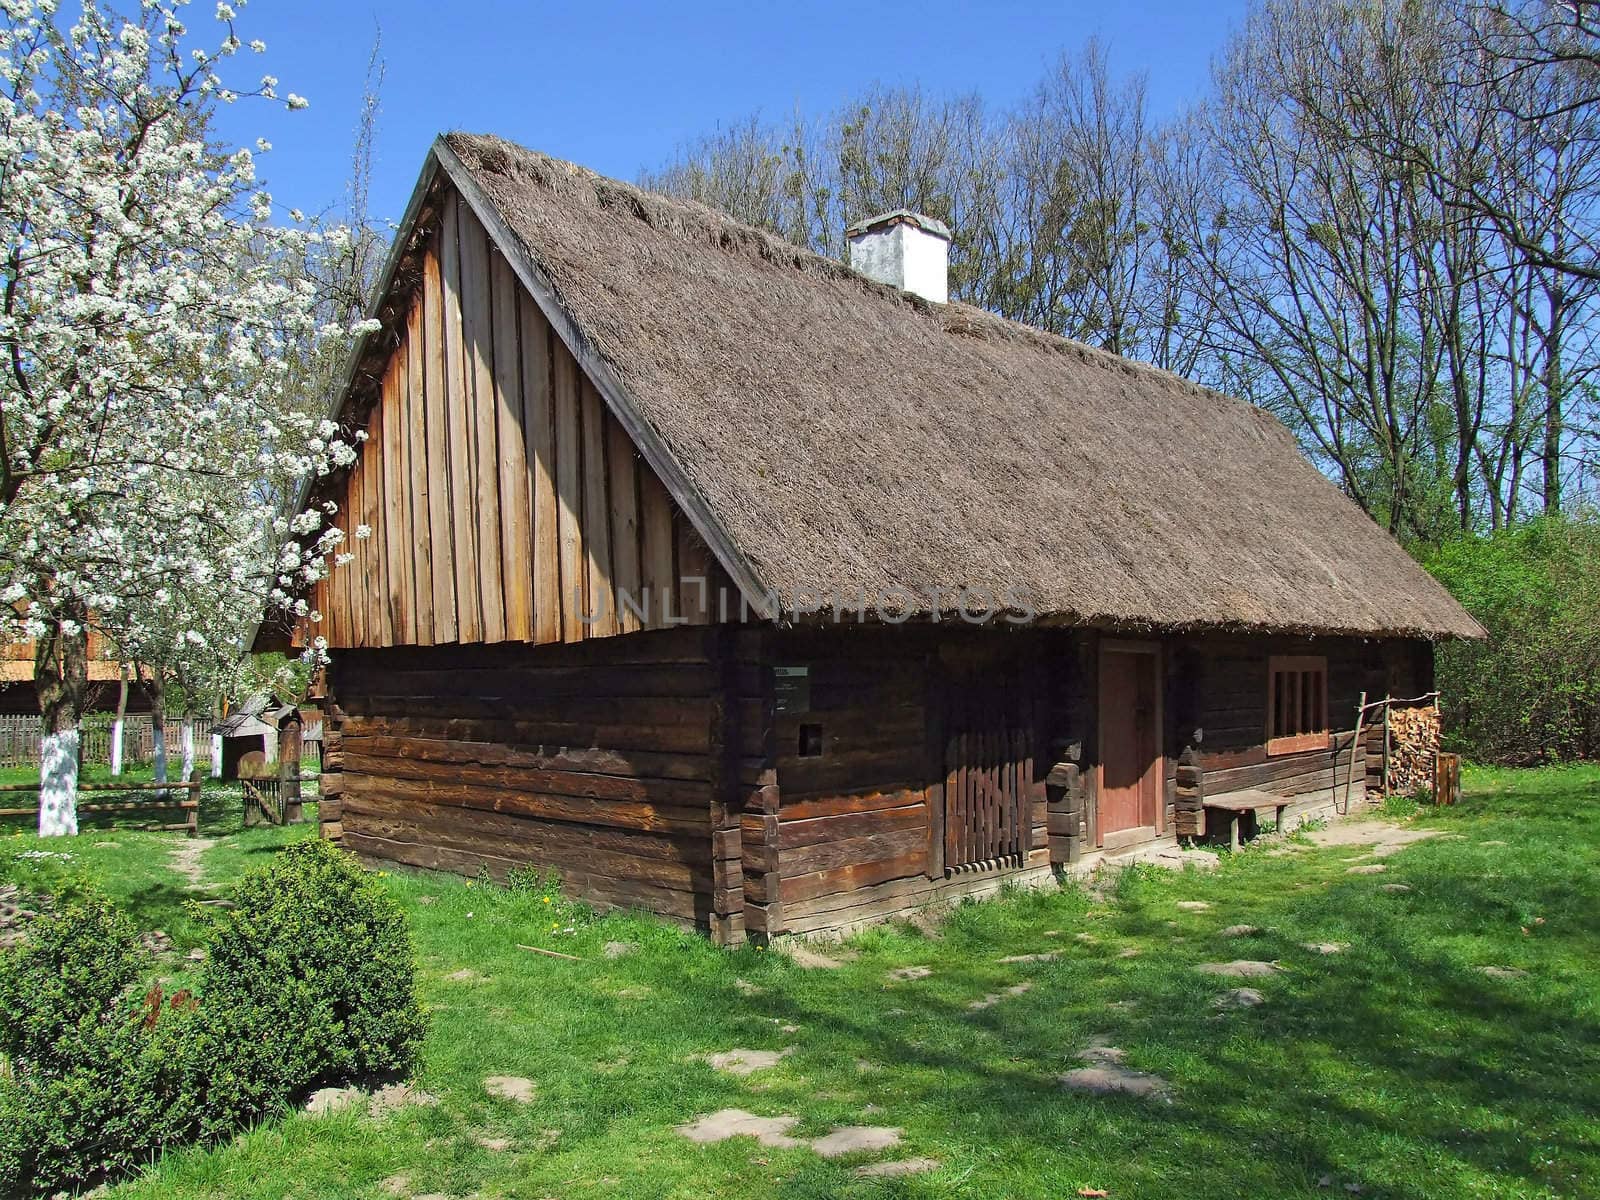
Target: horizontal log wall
{"points": [[504, 500], [600, 761]]}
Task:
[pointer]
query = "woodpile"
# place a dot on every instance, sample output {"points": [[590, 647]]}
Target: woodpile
{"points": [[1413, 735]]}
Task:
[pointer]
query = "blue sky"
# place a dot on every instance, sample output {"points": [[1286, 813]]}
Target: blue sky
{"points": [[618, 86]]}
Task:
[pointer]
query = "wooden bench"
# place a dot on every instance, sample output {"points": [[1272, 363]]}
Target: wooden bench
{"points": [[1236, 804]]}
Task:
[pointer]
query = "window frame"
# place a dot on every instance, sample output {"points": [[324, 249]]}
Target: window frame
{"points": [[1301, 740]]}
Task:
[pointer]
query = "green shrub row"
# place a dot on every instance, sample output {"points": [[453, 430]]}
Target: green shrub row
{"points": [[310, 979]]}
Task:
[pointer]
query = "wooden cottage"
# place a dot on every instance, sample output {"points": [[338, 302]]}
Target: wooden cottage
{"points": [[740, 587]]}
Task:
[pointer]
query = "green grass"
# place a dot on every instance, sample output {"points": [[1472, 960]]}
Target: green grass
{"points": [[1396, 1065]]}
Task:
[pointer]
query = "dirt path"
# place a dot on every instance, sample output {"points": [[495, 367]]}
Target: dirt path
{"points": [[184, 858]]}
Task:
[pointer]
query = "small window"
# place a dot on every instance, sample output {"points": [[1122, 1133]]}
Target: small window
{"points": [[810, 741], [1297, 704]]}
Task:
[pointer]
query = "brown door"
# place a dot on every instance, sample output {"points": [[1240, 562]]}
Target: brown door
{"points": [[1130, 751]]}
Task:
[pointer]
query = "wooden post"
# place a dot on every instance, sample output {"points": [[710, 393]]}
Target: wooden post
{"points": [[1064, 824], [1446, 778], [289, 767], [192, 824]]}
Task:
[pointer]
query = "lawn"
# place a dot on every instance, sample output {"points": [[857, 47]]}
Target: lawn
{"points": [[1396, 1065]]}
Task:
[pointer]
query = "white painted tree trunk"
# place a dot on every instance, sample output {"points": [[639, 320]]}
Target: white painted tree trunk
{"points": [[58, 784], [116, 746], [216, 756], [188, 750], [270, 747], [158, 736]]}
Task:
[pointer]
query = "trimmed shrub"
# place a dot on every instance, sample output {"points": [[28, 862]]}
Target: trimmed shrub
{"points": [[310, 979], [97, 1074]]}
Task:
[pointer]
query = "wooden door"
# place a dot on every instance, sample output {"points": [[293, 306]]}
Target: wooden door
{"points": [[1130, 745], [989, 766]]}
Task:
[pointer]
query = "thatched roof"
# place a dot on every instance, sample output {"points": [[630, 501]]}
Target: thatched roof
{"points": [[844, 435]]}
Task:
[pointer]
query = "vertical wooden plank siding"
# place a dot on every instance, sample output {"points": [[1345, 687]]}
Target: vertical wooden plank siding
{"points": [[392, 529], [569, 494], [504, 500], [418, 500], [477, 336], [657, 548], [599, 603], [463, 449], [437, 462], [538, 428], [622, 475], [516, 540]]}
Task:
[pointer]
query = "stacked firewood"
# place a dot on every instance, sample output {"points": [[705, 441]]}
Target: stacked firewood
{"points": [[1413, 743]]}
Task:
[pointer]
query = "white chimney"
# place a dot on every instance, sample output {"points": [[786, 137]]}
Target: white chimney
{"points": [[905, 250]]}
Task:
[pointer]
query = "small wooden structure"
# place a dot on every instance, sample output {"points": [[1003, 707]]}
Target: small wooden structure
{"points": [[737, 587]]}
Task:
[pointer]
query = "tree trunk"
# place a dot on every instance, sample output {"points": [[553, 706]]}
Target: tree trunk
{"points": [[61, 674], [117, 724], [158, 725], [1554, 389], [188, 748]]}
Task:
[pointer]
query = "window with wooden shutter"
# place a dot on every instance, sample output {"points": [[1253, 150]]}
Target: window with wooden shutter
{"points": [[1297, 704]]}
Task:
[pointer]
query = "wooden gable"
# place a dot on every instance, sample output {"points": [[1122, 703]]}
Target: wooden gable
{"points": [[504, 499]]}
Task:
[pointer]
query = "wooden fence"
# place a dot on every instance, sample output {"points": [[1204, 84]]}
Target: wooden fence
{"points": [[20, 735], [182, 797]]}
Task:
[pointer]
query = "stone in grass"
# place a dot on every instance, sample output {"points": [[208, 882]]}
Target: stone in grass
{"points": [[1193, 905], [745, 1062], [803, 955], [1367, 869], [907, 974], [1233, 931], [902, 1166], [328, 1100], [1240, 998], [495, 1145], [993, 998], [393, 1097], [1396, 888], [1241, 968], [1104, 1074], [854, 1139], [1504, 972], [735, 1122], [1326, 947], [510, 1087], [1047, 956], [618, 949]]}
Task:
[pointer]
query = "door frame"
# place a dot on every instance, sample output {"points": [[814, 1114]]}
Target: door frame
{"points": [[1158, 663]]}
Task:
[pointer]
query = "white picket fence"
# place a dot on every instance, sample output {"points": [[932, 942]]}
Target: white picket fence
{"points": [[20, 734]]}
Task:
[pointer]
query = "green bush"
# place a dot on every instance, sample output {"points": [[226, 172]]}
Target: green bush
{"points": [[96, 1071], [310, 980], [1531, 693]]}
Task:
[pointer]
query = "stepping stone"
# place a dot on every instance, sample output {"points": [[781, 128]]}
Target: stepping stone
{"points": [[906, 974], [427, 899], [1326, 947], [1241, 968], [1193, 906], [618, 949], [747, 988], [903, 1166], [994, 998], [464, 975], [1124, 1005], [1240, 998], [1105, 1075], [1087, 939], [1504, 972], [745, 1062], [929, 924], [1057, 933], [112, 845], [1489, 843], [1397, 888], [395, 1096], [735, 1122], [1241, 931], [495, 1144], [510, 1087], [328, 1100], [851, 1139], [1128, 952], [1367, 869], [804, 956], [1047, 956]]}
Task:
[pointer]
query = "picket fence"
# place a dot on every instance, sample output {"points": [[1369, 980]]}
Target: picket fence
{"points": [[20, 734]]}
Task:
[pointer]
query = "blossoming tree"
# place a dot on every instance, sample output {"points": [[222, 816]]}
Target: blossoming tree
{"points": [[153, 320]]}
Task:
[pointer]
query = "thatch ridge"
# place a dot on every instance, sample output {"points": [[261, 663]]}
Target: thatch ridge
{"points": [[849, 436]]}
